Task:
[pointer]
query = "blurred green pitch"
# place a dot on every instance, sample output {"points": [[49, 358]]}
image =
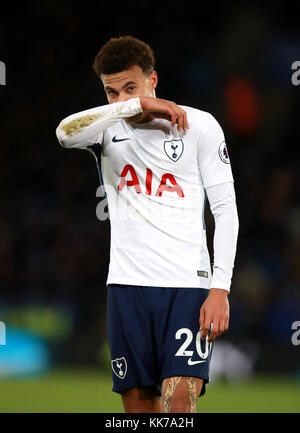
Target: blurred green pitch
{"points": [[79, 390]]}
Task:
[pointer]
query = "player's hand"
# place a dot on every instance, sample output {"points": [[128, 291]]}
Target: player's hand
{"points": [[166, 109], [215, 311]]}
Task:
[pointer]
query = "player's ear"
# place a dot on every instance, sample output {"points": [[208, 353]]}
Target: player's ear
{"points": [[153, 79]]}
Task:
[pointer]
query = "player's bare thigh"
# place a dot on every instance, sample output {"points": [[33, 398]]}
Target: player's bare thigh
{"points": [[180, 394], [141, 400]]}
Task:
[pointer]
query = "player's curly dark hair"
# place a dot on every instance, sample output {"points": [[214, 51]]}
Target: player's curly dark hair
{"points": [[119, 54]]}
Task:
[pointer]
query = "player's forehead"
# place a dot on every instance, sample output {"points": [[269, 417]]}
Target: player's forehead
{"points": [[118, 80]]}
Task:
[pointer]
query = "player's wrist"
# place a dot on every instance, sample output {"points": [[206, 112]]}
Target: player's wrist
{"points": [[219, 292], [145, 102]]}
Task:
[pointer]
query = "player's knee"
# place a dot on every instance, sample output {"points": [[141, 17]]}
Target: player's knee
{"points": [[178, 406], [178, 403]]}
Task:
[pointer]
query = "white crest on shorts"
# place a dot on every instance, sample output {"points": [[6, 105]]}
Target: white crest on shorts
{"points": [[119, 367]]}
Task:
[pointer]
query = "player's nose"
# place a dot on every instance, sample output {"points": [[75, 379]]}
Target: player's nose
{"points": [[123, 97]]}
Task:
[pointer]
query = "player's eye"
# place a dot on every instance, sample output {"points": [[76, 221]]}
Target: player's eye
{"points": [[111, 92], [131, 89]]}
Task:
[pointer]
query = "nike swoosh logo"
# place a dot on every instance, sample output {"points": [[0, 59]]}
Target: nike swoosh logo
{"points": [[116, 140], [190, 362]]}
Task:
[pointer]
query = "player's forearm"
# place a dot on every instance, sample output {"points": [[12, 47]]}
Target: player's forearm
{"points": [[223, 207], [75, 130], [224, 250]]}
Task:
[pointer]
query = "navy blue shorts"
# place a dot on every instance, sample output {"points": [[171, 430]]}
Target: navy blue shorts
{"points": [[153, 333]]}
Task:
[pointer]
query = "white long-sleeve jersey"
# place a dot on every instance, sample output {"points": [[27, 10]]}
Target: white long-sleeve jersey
{"points": [[156, 181]]}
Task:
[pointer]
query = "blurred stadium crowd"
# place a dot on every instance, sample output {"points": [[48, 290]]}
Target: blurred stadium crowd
{"points": [[233, 61]]}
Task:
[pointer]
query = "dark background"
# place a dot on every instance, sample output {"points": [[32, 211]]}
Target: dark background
{"points": [[232, 59]]}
